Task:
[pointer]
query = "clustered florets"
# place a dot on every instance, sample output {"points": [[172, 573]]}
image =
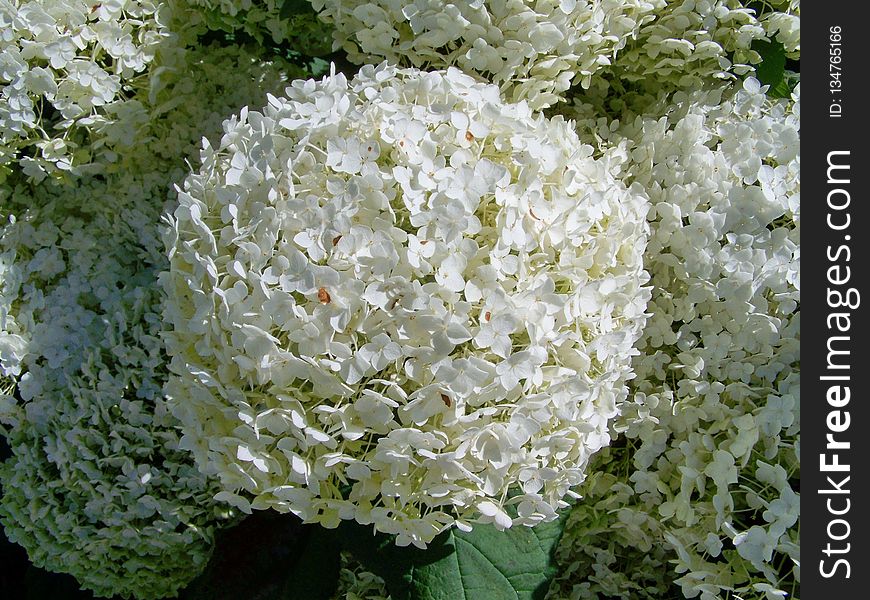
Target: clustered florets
{"points": [[406, 298], [533, 49], [537, 49], [79, 77], [97, 485], [402, 285], [714, 420], [63, 66]]}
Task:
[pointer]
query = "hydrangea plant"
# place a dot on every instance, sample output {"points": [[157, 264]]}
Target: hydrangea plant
{"points": [[533, 49], [64, 65], [707, 477], [394, 298], [97, 485]]}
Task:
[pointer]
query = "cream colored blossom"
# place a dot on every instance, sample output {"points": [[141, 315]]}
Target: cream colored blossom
{"points": [[401, 286]]}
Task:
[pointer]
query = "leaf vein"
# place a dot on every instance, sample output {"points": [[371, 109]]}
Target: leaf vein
{"points": [[497, 569]]}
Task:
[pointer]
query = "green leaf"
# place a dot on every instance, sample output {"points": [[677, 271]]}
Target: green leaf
{"points": [[295, 7], [785, 87], [772, 67], [485, 564], [396, 566]]}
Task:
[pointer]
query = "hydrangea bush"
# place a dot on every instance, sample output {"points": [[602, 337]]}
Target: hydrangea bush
{"points": [[64, 67], [534, 49], [97, 485], [707, 477], [402, 285], [403, 298]]}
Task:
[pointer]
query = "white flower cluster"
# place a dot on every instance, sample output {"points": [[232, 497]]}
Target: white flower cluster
{"points": [[688, 43], [713, 426], [97, 485], [537, 49], [783, 23], [533, 49], [189, 99], [64, 65], [391, 299]]}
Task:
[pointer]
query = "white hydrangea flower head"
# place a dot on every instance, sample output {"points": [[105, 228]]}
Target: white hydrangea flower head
{"points": [[393, 298], [713, 423], [687, 46], [533, 49], [686, 41], [96, 486], [64, 65]]}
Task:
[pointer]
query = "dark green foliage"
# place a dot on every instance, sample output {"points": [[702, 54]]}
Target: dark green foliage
{"points": [[291, 8], [484, 564], [772, 69]]}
